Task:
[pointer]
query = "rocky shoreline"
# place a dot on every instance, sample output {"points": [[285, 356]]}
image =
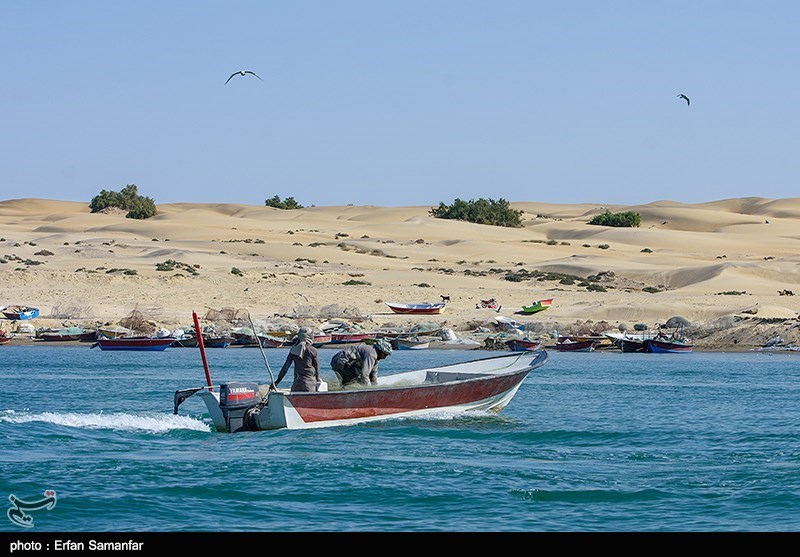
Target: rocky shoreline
{"points": [[727, 334]]}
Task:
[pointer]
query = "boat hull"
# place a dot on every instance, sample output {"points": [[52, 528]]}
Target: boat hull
{"points": [[664, 347], [139, 344], [630, 345], [87, 336], [408, 344], [577, 346], [21, 315], [517, 345], [216, 342], [418, 309], [487, 385], [541, 305], [346, 338]]}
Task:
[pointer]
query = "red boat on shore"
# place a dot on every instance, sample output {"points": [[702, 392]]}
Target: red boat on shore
{"points": [[150, 344], [348, 337], [523, 345], [568, 345]]}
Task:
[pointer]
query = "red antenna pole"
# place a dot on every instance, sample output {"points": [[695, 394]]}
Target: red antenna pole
{"points": [[199, 333]]}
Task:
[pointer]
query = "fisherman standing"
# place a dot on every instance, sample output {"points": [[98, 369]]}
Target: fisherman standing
{"points": [[306, 363]]}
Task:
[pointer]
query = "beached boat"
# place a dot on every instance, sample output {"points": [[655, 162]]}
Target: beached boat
{"points": [[413, 343], [631, 344], [349, 336], [668, 346], [149, 344], [271, 342], [208, 342], [185, 342], [569, 345], [486, 384], [418, 309], [321, 340], [20, 313], [67, 334], [216, 341], [539, 305], [523, 344], [113, 331], [4, 338], [601, 342]]}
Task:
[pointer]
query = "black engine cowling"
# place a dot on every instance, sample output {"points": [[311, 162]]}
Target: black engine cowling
{"points": [[235, 399]]}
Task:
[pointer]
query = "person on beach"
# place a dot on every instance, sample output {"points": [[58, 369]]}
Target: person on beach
{"points": [[357, 366], [306, 363]]}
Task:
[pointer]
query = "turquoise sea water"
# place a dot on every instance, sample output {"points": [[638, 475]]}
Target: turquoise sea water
{"points": [[592, 442]]}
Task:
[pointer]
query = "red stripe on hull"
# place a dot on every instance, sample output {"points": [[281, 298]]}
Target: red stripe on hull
{"points": [[380, 402], [418, 311]]}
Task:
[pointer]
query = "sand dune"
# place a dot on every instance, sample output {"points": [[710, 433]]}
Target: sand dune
{"points": [[704, 261]]}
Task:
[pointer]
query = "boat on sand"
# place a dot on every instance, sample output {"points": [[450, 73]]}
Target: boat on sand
{"points": [[417, 309], [537, 306], [20, 313]]}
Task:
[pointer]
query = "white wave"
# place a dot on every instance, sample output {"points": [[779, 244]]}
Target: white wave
{"points": [[153, 422], [442, 415]]}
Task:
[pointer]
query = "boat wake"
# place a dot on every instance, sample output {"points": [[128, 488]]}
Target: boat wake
{"points": [[150, 422]]}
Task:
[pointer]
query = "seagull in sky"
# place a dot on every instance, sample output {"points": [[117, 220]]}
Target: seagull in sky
{"points": [[684, 97], [242, 72]]}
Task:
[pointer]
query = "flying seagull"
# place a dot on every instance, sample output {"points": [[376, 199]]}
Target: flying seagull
{"points": [[242, 72], [684, 97]]}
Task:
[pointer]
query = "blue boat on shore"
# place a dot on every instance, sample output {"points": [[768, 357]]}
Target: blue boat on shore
{"points": [[20, 313], [661, 346]]}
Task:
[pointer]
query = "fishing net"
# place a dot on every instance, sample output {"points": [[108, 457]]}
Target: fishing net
{"points": [[70, 310], [135, 320], [220, 315]]}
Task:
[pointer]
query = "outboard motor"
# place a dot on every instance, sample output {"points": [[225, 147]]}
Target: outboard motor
{"points": [[235, 399]]}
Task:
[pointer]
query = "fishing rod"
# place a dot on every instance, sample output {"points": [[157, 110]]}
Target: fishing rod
{"points": [[260, 347]]}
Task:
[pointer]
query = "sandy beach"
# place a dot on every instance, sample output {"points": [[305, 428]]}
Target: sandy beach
{"points": [[726, 266]]}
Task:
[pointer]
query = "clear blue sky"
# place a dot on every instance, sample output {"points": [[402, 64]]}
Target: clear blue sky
{"points": [[400, 102]]}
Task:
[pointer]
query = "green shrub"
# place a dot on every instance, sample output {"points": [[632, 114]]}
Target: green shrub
{"points": [[651, 289], [288, 203], [138, 206], [482, 211], [647, 250], [625, 219], [237, 271]]}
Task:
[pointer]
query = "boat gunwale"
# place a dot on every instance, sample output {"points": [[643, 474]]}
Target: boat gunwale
{"points": [[537, 362]]}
